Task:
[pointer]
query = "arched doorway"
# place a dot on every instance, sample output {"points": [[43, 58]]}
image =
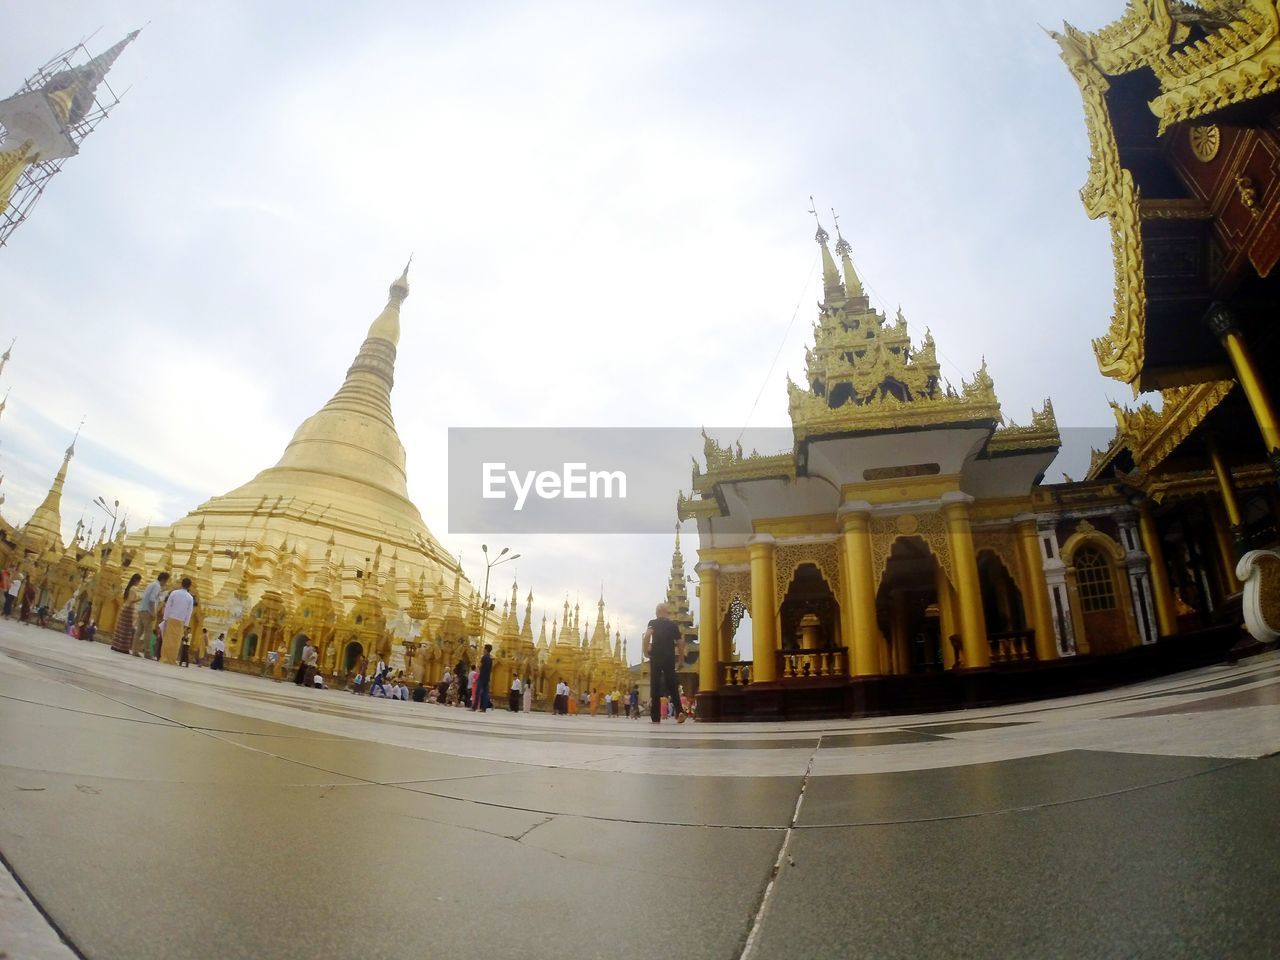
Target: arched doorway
{"points": [[350, 655], [1003, 610], [250, 647], [907, 609], [1101, 601], [810, 621]]}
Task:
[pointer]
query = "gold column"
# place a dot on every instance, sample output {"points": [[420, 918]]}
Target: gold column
{"points": [[1222, 320], [1037, 589], [1162, 592], [1226, 542], [708, 626], [764, 613], [946, 614], [973, 626], [860, 594]]}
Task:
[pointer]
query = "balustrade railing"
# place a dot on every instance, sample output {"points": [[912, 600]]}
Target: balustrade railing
{"points": [[828, 662], [1013, 646], [737, 673]]}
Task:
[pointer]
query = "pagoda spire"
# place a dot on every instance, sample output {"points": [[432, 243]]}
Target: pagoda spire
{"points": [[852, 285], [44, 529], [353, 436], [831, 287], [70, 93], [4, 357]]}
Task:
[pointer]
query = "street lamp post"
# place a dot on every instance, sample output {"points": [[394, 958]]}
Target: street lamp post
{"points": [[112, 511], [488, 569]]}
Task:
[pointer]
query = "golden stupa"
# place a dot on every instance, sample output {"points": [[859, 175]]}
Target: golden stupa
{"points": [[337, 495]]}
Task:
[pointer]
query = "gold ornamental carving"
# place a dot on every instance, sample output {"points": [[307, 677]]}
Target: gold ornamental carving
{"points": [[789, 557], [732, 583], [1004, 545], [1205, 139], [929, 527]]}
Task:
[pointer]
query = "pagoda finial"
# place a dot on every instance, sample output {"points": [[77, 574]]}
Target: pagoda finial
{"points": [[852, 285], [387, 324], [821, 236], [831, 286]]}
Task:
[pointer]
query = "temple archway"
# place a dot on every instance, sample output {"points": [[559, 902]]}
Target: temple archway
{"points": [[1003, 610], [907, 609], [810, 621], [1102, 607], [249, 647], [352, 653]]}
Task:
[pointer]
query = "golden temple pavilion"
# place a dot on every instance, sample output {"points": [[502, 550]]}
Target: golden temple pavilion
{"points": [[905, 553]]}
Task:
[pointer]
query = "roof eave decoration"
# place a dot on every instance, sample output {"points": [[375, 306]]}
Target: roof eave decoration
{"points": [[1152, 437], [1040, 434], [813, 416], [1234, 62]]}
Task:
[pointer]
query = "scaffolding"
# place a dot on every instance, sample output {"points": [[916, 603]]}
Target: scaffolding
{"points": [[30, 186]]}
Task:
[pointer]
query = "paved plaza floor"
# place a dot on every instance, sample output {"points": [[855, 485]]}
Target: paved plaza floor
{"points": [[148, 811]]}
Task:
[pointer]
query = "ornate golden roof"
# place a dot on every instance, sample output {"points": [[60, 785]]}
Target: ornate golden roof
{"points": [[1205, 56], [1151, 435], [863, 374]]}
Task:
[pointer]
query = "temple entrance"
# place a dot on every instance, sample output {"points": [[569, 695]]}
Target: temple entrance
{"points": [[810, 620], [907, 610], [295, 649], [1003, 610], [1104, 622], [350, 655], [250, 647]]}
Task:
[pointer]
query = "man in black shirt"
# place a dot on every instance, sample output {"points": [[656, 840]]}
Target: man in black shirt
{"points": [[664, 646]]}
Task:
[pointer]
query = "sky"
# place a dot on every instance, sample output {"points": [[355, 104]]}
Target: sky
{"points": [[607, 207]]}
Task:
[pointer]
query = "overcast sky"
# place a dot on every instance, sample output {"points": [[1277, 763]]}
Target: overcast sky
{"points": [[606, 203]]}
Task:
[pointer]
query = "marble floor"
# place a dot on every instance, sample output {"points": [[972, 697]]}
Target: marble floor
{"points": [[150, 811]]}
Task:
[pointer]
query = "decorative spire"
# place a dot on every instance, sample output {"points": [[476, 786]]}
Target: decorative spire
{"points": [[4, 357], [831, 286], [70, 93], [387, 324], [852, 285], [44, 529]]}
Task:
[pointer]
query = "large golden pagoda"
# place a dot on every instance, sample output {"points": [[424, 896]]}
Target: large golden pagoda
{"points": [[338, 490]]}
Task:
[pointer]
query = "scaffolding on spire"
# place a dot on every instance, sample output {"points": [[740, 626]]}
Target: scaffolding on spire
{"points": [[81, 121]]}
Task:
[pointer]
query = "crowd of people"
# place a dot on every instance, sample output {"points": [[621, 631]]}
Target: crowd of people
{"points": [[154, 623]]}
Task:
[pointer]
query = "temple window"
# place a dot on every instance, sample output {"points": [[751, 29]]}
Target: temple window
{"points": [[1093, 577]]}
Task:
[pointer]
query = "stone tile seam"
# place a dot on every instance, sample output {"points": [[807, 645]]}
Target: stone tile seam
{"points": [[753, 933], [35, 902], [1028, 808]]}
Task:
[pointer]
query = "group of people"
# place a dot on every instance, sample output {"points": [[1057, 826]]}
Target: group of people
{"points": [[154, 623], [20, 592]]}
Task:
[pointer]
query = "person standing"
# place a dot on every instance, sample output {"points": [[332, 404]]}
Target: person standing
{"points": [[300, 678], [558, 706], [527, 695], [513, 701], [480, 696], [147, 606], [219, 651], [122, 638], [378, 687], [12, 593], [664, 647], [177, 614], [593, 701]]}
